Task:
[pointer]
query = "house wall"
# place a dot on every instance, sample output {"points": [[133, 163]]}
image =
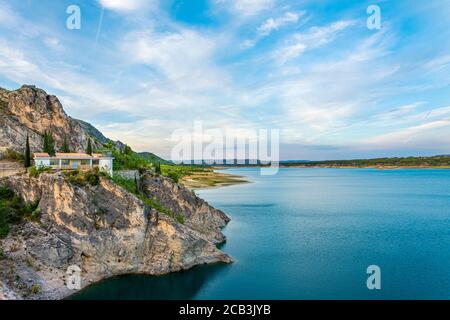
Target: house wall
{"points": [[106, 165], [42, 163]]}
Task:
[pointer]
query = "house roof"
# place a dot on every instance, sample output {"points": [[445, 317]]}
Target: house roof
{"points": [[71, 156], [41, 155]]}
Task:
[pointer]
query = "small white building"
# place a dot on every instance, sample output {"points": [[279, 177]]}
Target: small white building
{"points": [[75, 161]]}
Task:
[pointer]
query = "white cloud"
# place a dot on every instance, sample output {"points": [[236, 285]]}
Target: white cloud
{"points": [[185, 58], [126, 5], [410, 135], [315, 37], [272, 24], [53, 43], [247, 8]]}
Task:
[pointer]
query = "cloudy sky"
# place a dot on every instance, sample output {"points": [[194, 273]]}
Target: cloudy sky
{"points": [[140, 69]]}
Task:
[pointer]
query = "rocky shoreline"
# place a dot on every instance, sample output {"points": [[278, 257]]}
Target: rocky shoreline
{"points": [[105, 231]]}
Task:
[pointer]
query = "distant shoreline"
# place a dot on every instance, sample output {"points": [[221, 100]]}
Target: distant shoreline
{"points": [[335, 167], [211, 179]]}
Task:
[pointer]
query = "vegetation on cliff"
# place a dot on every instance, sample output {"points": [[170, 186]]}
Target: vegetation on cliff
{"points": [[84, 178], [132, 186], [14, 210]]}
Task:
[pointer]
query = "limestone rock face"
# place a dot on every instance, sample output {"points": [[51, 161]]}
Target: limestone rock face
{"points": [[199, 215], [105, 231], [29, 110]]}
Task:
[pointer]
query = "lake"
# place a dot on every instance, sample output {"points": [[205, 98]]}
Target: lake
{"points": [[312, 233]]}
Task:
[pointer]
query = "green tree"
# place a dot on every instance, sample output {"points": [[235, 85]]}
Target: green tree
{"points": [[158, 167], [127, 150], [89, 147], [27, 158], [49, 143], [65, 148], [136, 183]]}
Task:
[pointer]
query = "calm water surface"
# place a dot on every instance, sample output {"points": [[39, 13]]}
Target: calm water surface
{"points": [[311, 234]]}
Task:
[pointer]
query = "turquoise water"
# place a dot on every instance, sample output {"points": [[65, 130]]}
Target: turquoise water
{"points": [[311, 234]]}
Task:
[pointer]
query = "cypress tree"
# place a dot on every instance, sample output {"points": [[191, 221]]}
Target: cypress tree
{"points": [[27, 161], [65, 147], [89, 148], [136, 190], [49, 143], [158, 168]]}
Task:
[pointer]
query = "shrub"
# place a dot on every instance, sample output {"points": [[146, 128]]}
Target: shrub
{"points": [[83, 178], [127, 184], [35, 289], [92, 177], [6, 193], [180, 218], [36, 215], [36, 171], [4, 226], [13, 155], [14, 210]]}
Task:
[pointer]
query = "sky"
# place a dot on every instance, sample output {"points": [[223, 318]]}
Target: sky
{"points": [[140, 69]]}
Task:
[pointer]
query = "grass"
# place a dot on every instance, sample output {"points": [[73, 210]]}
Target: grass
{"points": [[130, 186], [13, 210]]}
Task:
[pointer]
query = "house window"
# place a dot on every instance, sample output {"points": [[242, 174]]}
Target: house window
{"points": [[65, 162], [54, 162], [95, 162], [85, 162]]}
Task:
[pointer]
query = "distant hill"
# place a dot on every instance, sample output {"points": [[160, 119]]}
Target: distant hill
{"points": [[153, 158], [434, 161]]}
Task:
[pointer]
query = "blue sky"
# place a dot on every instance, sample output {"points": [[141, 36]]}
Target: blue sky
{"points": [[140, 69]]}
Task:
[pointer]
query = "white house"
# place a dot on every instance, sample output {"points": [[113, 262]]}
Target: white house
{"points": [[75, 161]]}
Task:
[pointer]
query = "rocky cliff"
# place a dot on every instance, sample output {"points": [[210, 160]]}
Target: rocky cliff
{"points": [[104, 230], [30, 110]]}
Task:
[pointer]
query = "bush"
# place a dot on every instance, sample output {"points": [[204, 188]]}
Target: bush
{"points": [[175, 176], [14, 210], [13, 155], [127, 184], [6, 193], [36, 171], [35, 289], [180, 218], [4, 225], [83, 178]]}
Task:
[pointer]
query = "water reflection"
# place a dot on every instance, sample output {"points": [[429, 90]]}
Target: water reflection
{"points": [[174, 286]]}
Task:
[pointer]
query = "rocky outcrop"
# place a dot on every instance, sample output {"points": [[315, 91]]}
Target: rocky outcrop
{"points": [[199, 215], [104, 230], [30, 110]]}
